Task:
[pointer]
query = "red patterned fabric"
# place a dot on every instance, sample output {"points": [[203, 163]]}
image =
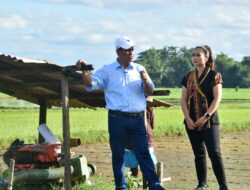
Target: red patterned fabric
{"points": [[194, 91]]}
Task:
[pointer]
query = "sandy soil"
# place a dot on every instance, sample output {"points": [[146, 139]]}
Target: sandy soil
{"points": [[177, 156]]}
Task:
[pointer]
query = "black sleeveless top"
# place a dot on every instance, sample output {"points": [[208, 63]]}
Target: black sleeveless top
{"points": [[212, 79]]}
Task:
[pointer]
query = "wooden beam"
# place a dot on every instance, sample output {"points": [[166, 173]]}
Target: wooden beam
{"points": [[161, 92], [66, 132], [18, 95], [27, 71], [51, 84], [42, 117], [31, 84], [73, 95]]}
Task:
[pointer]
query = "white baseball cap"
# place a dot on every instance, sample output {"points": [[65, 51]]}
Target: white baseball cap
{"points": [[124, 42]]}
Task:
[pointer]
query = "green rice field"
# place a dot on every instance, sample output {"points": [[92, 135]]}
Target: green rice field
{"points": [[21, 121]]}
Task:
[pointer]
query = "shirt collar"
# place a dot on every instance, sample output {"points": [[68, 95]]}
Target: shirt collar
{"points": [[204, 72], [118, 65]]}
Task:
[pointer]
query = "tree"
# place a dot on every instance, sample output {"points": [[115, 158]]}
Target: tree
{"points": [[168, 65], [230, 70], [245, 72], [151, 60]]}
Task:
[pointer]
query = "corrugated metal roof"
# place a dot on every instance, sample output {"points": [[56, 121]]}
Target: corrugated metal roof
{"points": [[36, 81]]}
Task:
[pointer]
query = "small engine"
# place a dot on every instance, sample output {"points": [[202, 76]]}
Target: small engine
{"points": [[39, 156]]}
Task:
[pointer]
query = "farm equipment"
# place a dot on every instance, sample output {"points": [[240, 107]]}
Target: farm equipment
{"points": [[43, 163]]}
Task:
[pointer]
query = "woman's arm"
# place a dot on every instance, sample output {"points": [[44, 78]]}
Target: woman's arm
{"points": [[184, 106], [217, 93]]}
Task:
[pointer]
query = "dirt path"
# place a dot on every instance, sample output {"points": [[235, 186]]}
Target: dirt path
{"points": [[176, 154]]}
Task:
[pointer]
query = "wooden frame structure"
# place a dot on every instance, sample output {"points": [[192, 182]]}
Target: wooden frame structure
{"points": [[47, 84]]}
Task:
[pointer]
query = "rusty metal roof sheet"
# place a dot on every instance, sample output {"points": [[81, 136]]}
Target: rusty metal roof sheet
{"points": [[35, 80]]}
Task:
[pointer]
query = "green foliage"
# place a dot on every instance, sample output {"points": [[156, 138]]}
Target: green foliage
{"points": [[245, 71], [97, 182], [133, 183], [230, 70], [167, 66]]}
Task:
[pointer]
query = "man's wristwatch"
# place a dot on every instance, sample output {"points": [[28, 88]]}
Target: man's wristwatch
{"points": [[207, 116]]}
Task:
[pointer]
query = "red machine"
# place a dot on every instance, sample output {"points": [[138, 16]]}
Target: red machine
{"points": [[39, 156], [43, 164]]}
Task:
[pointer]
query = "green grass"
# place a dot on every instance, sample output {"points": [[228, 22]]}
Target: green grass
{"points": [[97, 183], [174, 97], [91, 125], [228, 94]]}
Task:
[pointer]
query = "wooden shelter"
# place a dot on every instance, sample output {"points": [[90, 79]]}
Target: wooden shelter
{"points": [[47, 84]]}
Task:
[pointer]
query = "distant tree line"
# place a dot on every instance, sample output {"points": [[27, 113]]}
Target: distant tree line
{"points": [[166, 67]]}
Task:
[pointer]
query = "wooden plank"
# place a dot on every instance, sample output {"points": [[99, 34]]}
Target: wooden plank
{"points": [[11, 174], [77, 103], [158, 103], [42, 117], [26, 97], [31, 84], [66, 132], [28, 71], [33, 91], [161, 92], [159, 169], [10, 79]]}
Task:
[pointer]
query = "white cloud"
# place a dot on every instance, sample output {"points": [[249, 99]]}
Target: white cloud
{"points": [[67, 29], [95, 38], [27, 38], [119, 4], [12, 21]]}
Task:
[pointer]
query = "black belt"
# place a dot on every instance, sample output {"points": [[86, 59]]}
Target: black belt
{"points": [[127, 114]]}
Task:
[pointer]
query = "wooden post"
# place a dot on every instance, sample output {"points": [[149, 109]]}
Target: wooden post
{"points": [[42, 117], [66, 132], [160, 173], [11, 174], [159, 169], [144, 183]]}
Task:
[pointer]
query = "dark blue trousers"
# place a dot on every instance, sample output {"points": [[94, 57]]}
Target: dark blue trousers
{"points": [[121, 128]]}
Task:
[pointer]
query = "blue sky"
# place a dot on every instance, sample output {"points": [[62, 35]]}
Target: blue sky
{"points": [[62, 31]]}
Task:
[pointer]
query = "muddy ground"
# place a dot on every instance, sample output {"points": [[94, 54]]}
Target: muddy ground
{"points": [[177, 156]]}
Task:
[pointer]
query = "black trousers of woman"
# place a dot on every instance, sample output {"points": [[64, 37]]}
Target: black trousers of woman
{"points": [[208, 139]]}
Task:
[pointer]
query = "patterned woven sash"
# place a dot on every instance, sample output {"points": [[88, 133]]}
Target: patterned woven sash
{"points": [[199, 98]]}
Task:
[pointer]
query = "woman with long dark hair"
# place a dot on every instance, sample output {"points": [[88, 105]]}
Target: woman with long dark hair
{"points": [[201, 96]]}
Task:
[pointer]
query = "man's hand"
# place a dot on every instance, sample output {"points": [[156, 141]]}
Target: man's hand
{"points": [[144, 76], [148, 86], [85, 74], [79, 63]]}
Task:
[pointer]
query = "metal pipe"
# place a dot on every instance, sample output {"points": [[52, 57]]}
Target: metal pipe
{"points": [[40, 174], [74, 142]]}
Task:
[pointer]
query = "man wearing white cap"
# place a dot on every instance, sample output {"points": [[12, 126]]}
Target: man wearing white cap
{"points": [[125, 86]]}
